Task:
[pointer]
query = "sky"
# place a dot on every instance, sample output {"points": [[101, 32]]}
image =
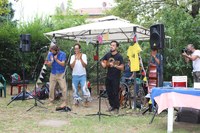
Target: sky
{"points": [[25, 10]]}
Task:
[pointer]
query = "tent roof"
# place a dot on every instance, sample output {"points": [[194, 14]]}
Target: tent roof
{"points": [[110, 27]]}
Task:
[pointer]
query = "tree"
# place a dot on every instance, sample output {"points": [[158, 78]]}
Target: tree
{"points": [[6, 11], [195, 8], [11, 57], [182, 28], [8, 50], [145, 11], [60, 20], [181, 19], [65, 18], [3, 7]]}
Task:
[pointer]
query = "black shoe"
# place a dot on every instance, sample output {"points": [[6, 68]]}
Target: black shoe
{"points": [[110, 109], [60, 108], [115, 111], [63, 109]]}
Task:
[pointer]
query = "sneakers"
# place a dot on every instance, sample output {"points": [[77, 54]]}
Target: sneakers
{"points": [[77, 101]]}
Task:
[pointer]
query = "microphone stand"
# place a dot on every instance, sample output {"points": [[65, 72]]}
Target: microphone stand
{"points": [[100, 95], [24, 90], [34, 79], [67, 63], [66, 72], [98, 61]]}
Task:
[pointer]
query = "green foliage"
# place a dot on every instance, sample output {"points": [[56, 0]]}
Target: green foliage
{"points": [[10, 40], [145, 11], [180, 25], [67, 18], [35, 28], [3, 7], [6, 11], [8, 53], [61, 21], [126, 9]]}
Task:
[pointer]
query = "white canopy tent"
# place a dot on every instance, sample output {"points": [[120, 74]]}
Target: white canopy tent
{"points": [[110, 28]]}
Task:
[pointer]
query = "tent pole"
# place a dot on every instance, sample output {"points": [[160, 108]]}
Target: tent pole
{"points": [[99, 113], [135, 93]]}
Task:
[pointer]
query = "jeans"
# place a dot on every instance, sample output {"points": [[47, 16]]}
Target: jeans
{"points": [[76, 80], [196, 76]]}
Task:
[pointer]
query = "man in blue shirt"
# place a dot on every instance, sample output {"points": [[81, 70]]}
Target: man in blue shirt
{"points": [[56, 60]]}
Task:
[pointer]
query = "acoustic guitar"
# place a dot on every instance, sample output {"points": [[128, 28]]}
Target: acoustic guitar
{"points": [[107, 62]]}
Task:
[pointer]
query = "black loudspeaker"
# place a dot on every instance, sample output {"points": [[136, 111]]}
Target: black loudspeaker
{"points": [[25, 42], [157, 36]]}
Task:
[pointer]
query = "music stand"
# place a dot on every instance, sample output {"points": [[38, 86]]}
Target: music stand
{"points": [[99, 111]]}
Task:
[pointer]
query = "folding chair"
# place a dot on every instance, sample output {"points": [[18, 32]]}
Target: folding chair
{"points": [[16, 81]]}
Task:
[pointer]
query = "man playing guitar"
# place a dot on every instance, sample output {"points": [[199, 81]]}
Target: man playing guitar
{"points": [[113, 61]]}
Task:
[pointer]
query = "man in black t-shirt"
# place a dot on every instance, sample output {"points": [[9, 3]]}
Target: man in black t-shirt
{"points": [[113, 61]]}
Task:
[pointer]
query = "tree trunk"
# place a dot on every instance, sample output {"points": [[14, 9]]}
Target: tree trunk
{"points": [[195, 8]]}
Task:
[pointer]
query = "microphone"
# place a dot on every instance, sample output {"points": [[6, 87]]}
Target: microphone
{"points": [[45, 47], [107, 51], [71, 49]]}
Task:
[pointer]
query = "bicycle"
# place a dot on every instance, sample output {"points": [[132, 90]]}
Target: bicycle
{"points": [[126, 91]]}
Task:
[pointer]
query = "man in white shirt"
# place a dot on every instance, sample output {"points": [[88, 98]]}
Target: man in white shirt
{"points": [[78, 63], [195, 58]]}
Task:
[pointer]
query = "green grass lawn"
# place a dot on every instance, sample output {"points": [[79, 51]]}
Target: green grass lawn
{"points": [[15, 119]]}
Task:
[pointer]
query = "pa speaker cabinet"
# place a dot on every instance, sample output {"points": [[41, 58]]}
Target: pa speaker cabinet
{"points": [[157, 36]]}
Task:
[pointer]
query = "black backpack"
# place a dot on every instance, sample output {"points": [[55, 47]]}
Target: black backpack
{"points": [[42, 93], [190, 115]]}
